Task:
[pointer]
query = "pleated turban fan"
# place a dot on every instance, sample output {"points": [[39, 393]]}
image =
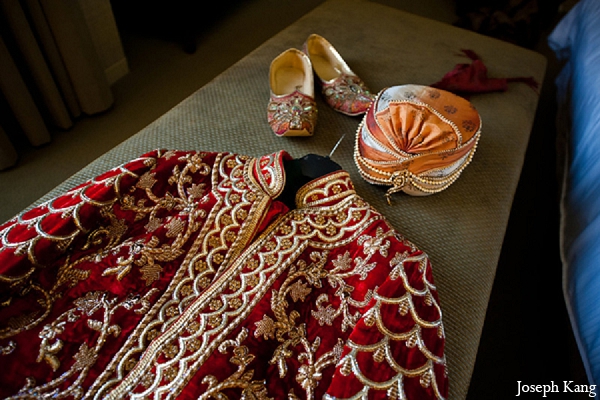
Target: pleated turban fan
{"points": [[416, 139]]}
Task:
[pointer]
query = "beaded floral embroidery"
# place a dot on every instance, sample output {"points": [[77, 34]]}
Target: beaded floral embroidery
{"points": [[348, 94], [295, 112]]}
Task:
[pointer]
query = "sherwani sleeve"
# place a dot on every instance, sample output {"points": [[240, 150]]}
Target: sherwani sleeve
{"points": [[396, 349]]}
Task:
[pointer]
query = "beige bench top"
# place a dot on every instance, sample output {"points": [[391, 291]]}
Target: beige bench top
{"points": [[462, 228]]}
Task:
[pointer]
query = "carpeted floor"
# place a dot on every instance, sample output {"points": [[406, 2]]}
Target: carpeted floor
{"points": [[526, 336]]}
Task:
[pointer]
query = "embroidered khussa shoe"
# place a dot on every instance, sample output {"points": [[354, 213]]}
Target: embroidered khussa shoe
{"points": [[292, 110], [343, 90]]}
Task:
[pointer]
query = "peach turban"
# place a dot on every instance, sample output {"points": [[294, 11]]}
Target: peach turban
{"points": [[416, 139]]}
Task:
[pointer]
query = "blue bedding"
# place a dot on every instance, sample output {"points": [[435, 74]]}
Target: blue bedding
{"points": [[576, 39]]}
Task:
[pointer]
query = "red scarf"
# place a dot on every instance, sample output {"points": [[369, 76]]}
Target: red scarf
{"points": [[472, 78]]}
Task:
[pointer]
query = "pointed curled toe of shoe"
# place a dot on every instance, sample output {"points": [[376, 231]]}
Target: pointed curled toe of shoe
{"points": [[292, 110], [343, 90]]}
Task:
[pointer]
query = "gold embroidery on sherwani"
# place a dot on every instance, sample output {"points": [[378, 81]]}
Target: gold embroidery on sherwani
{"points": [[381, 351], [256, 279], [309, 373], [237, 212], [286, 331], [85, 308], [67, 273], [342, 270], [9, 348], [241, 379], [326, 315], [146, 255], [240, 205]]}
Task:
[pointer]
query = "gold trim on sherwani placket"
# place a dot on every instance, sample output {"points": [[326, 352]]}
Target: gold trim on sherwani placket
{"points": [[241, 202]]}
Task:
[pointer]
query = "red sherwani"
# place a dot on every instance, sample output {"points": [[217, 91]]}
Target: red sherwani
{"points": [[179, 275]]}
